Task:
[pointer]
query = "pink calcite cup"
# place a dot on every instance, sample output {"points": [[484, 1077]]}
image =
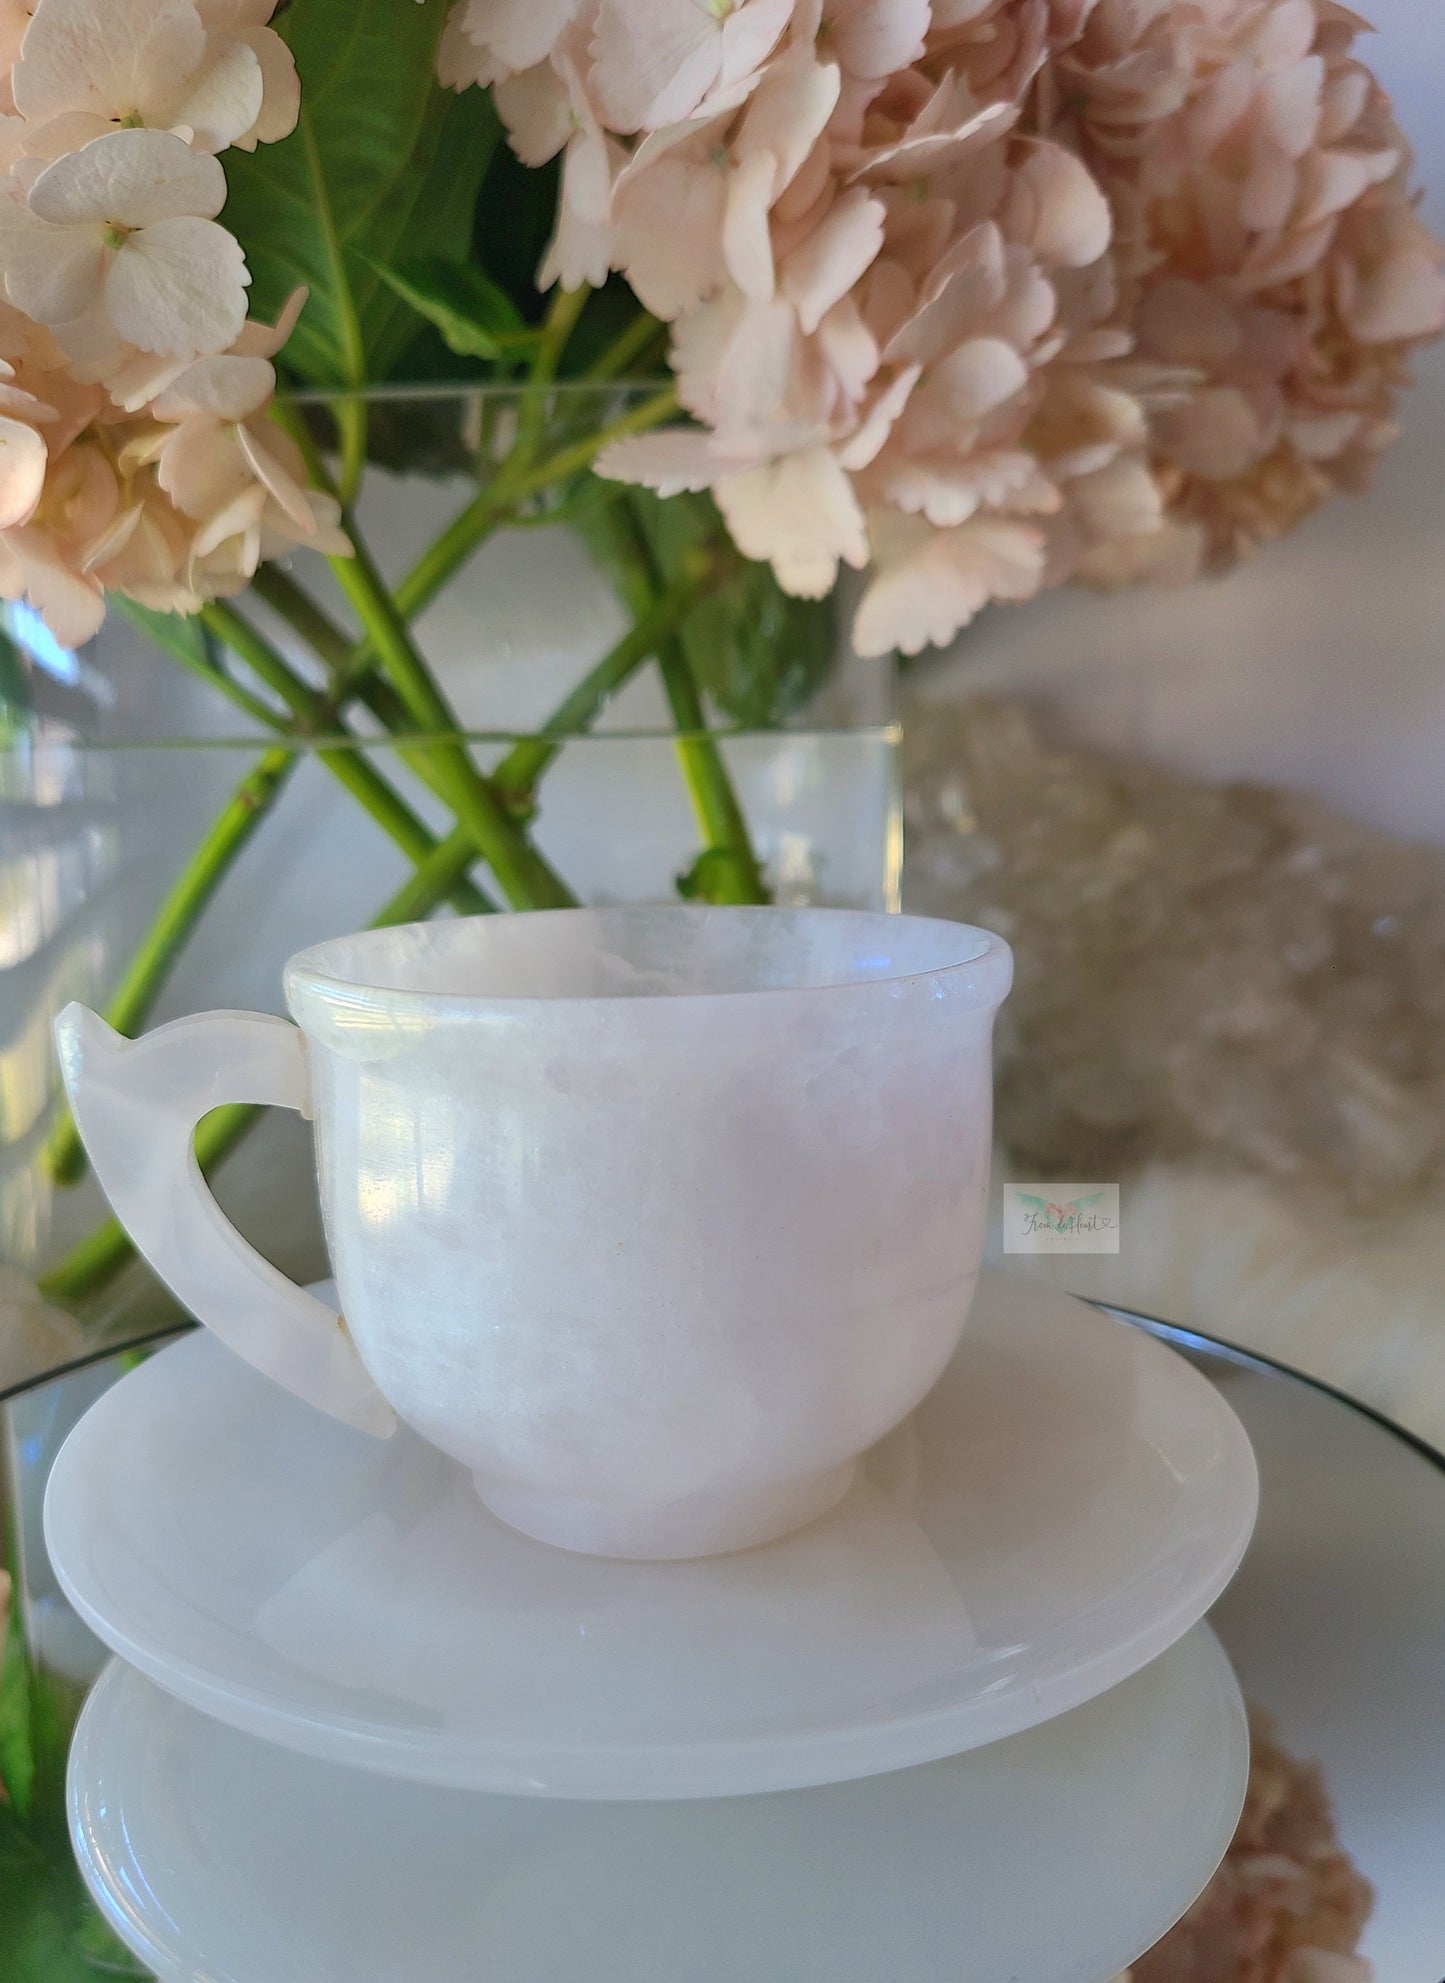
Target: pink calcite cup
{"points": [[652, 1218]]}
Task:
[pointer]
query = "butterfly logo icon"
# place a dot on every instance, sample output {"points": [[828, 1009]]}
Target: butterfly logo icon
{"points": [[1058, 1218]]}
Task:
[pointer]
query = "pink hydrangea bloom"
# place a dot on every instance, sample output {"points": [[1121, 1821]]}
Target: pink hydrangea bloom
{"points": [[135, 452], [984, 295]]}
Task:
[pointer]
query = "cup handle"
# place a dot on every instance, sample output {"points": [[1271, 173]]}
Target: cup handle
{"points": [[136, 1104]]}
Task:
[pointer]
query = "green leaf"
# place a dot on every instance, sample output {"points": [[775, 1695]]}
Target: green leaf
{"points": [[700, 882], [476, 318], [400, 161], [17, 1751], [50, 1931], [514, 219], [759, 654], [16, 700]]}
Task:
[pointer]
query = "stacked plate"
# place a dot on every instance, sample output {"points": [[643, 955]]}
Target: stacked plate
{"points": [[967, 1725]]}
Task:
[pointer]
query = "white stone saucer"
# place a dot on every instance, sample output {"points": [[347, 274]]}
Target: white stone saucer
{"points": [[1064, 1506], [1057, 1856]]}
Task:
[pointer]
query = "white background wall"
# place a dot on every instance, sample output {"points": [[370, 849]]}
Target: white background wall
{"points": [[1320, 665]]}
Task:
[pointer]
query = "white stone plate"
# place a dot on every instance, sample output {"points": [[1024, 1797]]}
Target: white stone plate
{"points": [[1065, 1505], [1055, 1857]]}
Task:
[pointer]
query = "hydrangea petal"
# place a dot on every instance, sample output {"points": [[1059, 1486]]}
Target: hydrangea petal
{"points": [[800, 514], [976, 378], [258, 340], [924, 598], [746, 241], [23, 461], [865, 444], [1186, 323], [236, 16], [1289, 105], [750, 32], [537, 112], [72, 605], [653, 61], [1402, 299], [113, 538], [129, 179], [1215, 435], [461, 62], [485, 40], [668, 229], [789, 111], [223, 387], [241, 518], [179, 286], [671, 463], [580, 250], [1122, 500], [202, 469], [67, 132], [849, 347], [826, 265], [112, 57], [1286, 35], [1056, 207], [875, 38], [280, 90], [51, 273], [222, 100], [282, 485]]}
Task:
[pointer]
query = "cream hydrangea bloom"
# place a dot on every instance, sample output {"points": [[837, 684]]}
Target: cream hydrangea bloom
{"points": [[233, 471], [14, 20], [656, 62], [46, 559], [121, 232], [91, 66], [24, 456], [1102, 289], [248, 22], [485, 41], [135, 450], [1271, 261]]}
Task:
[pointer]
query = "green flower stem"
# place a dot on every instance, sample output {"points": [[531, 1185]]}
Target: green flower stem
{"points": [[729, 870], [441, 865], [635, 342], [562, 314], [470, 528], [231, 830], [526, 878], [349, 666], [581, 454], [101, 1254], [438, 877], [315, 715], [517, 775], [432, 881], [489, 508], [180, 649], [229, 833], [733, 873]]}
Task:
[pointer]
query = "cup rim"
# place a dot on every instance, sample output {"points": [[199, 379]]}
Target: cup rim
{"points": [[988, 963]]}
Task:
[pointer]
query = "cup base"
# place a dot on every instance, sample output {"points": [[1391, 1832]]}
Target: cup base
{"points": [[659, 1532]]}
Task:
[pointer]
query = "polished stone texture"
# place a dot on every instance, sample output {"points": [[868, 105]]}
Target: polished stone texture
{"points": [[654, 1219], [1215, 972]]}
